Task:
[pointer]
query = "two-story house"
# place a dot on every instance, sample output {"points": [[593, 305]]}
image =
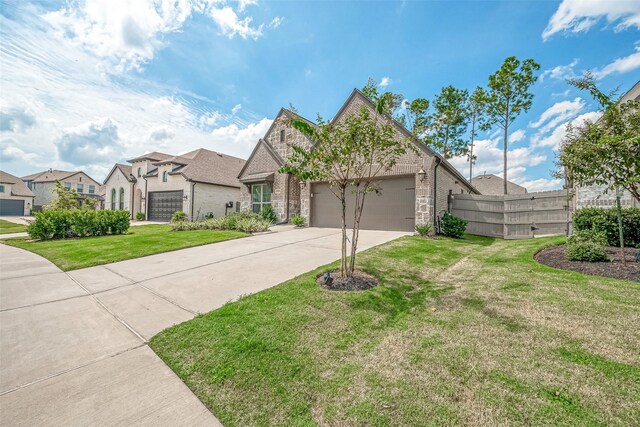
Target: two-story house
{"points": [[198, 183], [43, 183], [15, 198]]}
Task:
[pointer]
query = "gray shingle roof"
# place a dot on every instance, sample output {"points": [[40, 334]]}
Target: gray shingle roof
{"points": [[490, 185], [207, 166], [48, 176], [154, 156], [18, 188]]}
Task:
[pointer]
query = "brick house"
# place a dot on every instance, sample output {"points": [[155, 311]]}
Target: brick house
{"points": [[158, 184], [416, 188], [43, 183]]}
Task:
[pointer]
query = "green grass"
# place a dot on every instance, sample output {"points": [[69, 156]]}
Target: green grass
{"points": [[7, 227], [71, 254], [459, 332]]}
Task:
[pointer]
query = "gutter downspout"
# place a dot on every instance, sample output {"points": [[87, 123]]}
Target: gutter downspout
{"points": [[193, 185], [131, 190], [286, 197], [435, 194]]}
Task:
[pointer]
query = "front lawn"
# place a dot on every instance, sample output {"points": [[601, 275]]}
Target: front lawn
{"points": [[459, 332], [71, 254], [7, 227]]}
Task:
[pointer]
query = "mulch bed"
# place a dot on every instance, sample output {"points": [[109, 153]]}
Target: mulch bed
{"points": [[360, 281], [554, 257]]}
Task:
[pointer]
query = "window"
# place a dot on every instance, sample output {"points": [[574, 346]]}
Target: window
{"points": [[260, 196], [164, 176], [282, 135], [121, 199], [80, 188], [113, 199], [1, 188], [92, 189], [139, 172], [67, 186]]}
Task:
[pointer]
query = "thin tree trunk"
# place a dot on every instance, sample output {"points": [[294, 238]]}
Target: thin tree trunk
{"points": [[356, 231], [473, 134], [620, 231], [504, 152], [343, 263]]}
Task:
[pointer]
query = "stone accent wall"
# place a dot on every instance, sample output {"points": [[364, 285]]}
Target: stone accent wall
{"points": [[305, 202], [594, 196], [292, 136]]}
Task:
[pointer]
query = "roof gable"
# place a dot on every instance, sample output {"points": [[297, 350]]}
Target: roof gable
{"points": [[124, 170], [18, 187], [262, 143]]}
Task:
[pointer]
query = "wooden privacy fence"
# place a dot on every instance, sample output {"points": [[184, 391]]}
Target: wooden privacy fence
{"points": [[514, 216]]}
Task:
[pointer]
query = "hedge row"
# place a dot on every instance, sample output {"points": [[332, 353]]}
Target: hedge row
{"points": [[63, 224], [606, 222], [246, 221]]}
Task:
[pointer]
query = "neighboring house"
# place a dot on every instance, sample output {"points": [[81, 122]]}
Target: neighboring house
{"points": [[198, 183], [493, 185], [15, 198], [410, 193], [594, 195], [42, 184]]}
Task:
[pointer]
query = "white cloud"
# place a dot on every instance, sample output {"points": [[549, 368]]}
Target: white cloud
{"points": [[517, 135], [90, 142], [127, 34], [620, 65], [384, 82], [575, 16], [276, 22], [231, 25], [554, 139], [561, 72], [236, 108], [541, 184], [15, 119], [557, 113], [235, 136]]}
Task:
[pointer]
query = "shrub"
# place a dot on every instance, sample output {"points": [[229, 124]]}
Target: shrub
{"points": [[424, 229], [178, 216], [140, 216], [452, 226], [606, 221], [62, 224], [587, 245], [297, 220], [267, 213], [245, 221], [209, 215]]}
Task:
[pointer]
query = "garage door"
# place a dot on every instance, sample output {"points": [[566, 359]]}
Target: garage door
{"points": [[11, 207], [392, 208], [162, 204]]}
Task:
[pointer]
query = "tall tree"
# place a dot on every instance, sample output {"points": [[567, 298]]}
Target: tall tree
{"points": [[449, 122], [65, 199], [350, 155], [509, 96], [415, 116], [606, 152], [476, 107]]}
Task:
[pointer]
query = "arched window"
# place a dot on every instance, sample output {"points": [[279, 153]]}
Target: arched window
{"points": [[139, 172], [121, 199], [113, 199], [164, 176]]}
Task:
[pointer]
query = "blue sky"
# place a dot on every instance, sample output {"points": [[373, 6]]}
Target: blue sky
{"points": [[88, 83]]}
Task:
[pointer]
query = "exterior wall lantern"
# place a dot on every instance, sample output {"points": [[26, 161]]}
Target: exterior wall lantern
{"points": [[185, 197], [421, 174]]}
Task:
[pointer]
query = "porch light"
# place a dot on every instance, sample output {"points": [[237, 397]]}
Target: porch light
{"points": [[421, 174], [185, 197]]}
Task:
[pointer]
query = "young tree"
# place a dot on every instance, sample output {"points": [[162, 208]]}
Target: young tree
{"points": [[509, 96], [66, 199], [349, 155], [476, 106], [90, 204], [606, 152], [449, 122]]}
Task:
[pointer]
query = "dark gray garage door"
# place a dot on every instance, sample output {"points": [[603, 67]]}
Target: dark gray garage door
{"points": [[162, 204], [11, 207], [392, 208]]}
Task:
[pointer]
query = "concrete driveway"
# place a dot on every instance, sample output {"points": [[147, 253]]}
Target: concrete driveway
{"points": [[73, 345]]}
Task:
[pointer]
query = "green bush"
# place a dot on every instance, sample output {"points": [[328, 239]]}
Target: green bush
{"points": [[245, 221], [606, 221], [424, 229], [209, 215], [452, 226], [267, 213], [587, 245], [178, 216], [63, 224], [297, 220], [140, 216]]}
